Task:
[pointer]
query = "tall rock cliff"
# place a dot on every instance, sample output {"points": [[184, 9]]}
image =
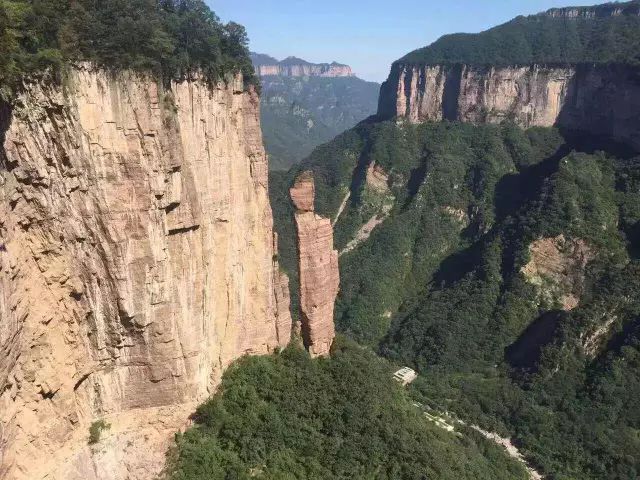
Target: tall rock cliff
{"points": [[599, 99], [318, 266], [575, 68], [296, 67], [137, 262]]}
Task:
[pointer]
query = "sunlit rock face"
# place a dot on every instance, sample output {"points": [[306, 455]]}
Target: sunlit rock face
{"points": [[137, 263], [597, 99], [318, 263]]}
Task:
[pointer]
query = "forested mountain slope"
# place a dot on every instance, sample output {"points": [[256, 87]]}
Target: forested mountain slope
{"points": [[503, 263], [287, 416]]}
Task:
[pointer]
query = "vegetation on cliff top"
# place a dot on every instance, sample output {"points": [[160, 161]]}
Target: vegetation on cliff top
{"points": [[544, 38], [290, 417], [169, 38]]}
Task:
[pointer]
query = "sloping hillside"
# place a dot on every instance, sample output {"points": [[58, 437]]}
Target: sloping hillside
{"points": [[504, 261]]}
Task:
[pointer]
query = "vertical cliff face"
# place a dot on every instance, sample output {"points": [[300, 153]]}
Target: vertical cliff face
{"points": [[305, 70], [138, 262], [266, 66], [612, 9], [318, 263], [601, 100]]}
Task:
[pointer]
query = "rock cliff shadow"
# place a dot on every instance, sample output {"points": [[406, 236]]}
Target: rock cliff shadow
{"points": [[524, 353], [516, 190], [629, 331], [456, 266], [5, 122], [359, 176]]}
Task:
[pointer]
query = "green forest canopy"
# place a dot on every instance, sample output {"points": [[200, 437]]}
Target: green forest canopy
{"points": [[170, 38], [445, 295], [290, 417], [545, 38]]}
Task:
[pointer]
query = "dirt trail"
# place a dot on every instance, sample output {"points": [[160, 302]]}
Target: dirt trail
{"points": [[343, 205], [365, 231], [445, 421]]}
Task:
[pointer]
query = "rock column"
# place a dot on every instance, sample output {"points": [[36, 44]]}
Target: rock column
{"points": [[318, 263]]}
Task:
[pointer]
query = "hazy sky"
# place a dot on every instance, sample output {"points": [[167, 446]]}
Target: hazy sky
{"points": [[366, 34]]}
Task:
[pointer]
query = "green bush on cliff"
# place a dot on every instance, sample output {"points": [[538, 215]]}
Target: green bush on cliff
{"points": [[96, 429], [288, 417], [170, 38]]}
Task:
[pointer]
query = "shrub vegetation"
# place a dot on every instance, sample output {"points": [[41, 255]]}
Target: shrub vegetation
{"points": [[288, 417]]}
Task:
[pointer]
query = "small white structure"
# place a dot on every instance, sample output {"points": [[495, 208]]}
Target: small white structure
{"points": [[405, 376]]}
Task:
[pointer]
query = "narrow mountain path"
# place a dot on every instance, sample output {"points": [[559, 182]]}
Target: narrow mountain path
{"points": [[343, 205], [446, 422]]}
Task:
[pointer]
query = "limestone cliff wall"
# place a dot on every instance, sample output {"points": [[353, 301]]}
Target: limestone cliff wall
{"points": [[138, 261], [318, 264], [305, 70], [601, 100]]}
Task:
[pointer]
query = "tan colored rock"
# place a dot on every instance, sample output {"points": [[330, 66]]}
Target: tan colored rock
{"points": [[377, 178], [303, 193], [557, 267], [139, 264], [319, 274], [460, 215], [285, 69], [602, 100]]}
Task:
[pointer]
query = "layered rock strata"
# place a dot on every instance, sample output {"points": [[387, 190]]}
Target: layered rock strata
{"points": [[600, 100], [296, 67], [318, 264], [137, 262]]}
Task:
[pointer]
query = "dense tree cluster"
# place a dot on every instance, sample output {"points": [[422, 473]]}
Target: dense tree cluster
{"points": [[543, 39], [170, 38], [288, 417]]}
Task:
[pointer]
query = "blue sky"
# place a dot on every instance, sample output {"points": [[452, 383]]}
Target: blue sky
{"points": [[366, 34]]}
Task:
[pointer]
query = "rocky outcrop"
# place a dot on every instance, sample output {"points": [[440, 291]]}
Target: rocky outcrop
{"points": [[557, 268], [137, 263], [296, 67], [614, 9], [597, 99], [377, 179], [318, 264]]}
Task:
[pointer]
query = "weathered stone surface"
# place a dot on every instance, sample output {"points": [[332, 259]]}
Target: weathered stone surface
{"points": [[557, 267], [294, 67], [303, 193], [377, 178], [601, 100], [319, 275], [139, 263]]}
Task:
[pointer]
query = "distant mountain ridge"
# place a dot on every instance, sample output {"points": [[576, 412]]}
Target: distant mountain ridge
{"points": [[266, 65], [305, 104]]}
